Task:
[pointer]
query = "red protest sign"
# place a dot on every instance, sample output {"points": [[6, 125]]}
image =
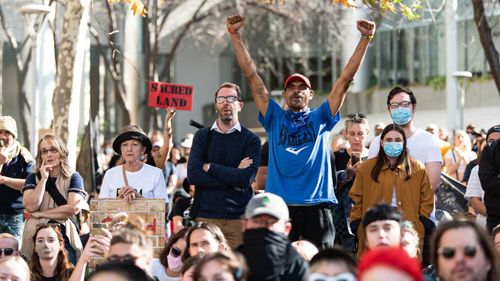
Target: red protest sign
{"points": [[165, 95]]}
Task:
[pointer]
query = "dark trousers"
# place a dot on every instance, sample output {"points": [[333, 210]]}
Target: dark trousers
{"points": [[313, 223], [491, 222]]}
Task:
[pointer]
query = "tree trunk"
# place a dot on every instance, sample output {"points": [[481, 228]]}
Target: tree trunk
{"points": [[486, 39], [73, 11]]}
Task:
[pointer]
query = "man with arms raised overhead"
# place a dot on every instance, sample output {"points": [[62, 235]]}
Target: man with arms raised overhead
{"points": [[299, 157]]}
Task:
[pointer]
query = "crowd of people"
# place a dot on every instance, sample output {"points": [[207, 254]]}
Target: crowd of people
{"points": [[301, 207]]}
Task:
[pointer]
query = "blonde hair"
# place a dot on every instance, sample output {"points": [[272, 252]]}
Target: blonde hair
{"points": [[133, 235], [10, 236], [20, 264], [58, 143], [466, 143]]}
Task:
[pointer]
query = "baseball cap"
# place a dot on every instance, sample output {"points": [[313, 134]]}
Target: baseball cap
{"points": [[494, 129], [267, 204], [295, 77]]}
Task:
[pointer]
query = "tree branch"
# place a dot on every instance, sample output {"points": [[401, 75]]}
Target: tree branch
{"points": [[486, 39]]}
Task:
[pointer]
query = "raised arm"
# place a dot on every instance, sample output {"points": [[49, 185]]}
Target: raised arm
{"points": [[259, 91], [339, 89], [167, 140]]}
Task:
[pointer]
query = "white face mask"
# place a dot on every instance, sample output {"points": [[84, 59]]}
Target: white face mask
{"points": [[47, 248], [174, 263]]}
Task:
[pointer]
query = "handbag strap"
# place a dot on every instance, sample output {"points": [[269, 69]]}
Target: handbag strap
{"points": [[125, 180], [51, 188]]}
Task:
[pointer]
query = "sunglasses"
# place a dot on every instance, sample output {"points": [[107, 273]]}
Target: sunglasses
{"points": [[356, 116], [6, 251], [122, 259], [345, 276], [449, 252], [175, 252]]}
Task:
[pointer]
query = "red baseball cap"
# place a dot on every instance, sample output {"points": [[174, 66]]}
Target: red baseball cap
{"points": [[295, 77]]}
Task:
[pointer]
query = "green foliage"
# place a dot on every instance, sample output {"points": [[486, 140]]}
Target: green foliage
{"points": [[437, 82], [409, 10]]}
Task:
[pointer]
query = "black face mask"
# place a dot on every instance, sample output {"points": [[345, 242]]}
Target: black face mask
{"points": [[265, 235]]}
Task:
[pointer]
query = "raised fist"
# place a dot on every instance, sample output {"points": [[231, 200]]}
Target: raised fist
{"points": [[234, 23], [367, 28]]}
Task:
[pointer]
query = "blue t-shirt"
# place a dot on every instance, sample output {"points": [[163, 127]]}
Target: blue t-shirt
{"points": [[75, 184], [299, 167]]}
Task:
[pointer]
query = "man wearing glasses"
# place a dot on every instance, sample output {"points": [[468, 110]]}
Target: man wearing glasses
{"points": [[299, 167], [463, 251], [223, 163], [423, 146]]}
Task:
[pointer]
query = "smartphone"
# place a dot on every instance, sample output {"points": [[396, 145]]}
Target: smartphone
{"points": [[97, 228], [355, 157]]}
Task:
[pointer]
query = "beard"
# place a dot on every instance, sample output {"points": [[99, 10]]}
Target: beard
{"points": [[226, 118]]}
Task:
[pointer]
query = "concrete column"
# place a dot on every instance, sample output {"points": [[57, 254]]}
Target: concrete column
{"points": [[451, 63], [351, 37]]}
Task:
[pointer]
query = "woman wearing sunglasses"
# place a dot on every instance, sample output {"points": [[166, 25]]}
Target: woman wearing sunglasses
{"points": [[168, 266], [53, 194], [395, 178], [49, 261]]}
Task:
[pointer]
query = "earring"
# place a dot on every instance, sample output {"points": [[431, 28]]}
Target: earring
{"points": [[142, 157]]}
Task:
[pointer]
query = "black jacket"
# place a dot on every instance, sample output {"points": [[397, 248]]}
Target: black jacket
{"points": [[270, 256], [489, 171]]}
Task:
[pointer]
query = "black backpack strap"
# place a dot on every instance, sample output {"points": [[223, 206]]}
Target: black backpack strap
{"points": [[51, 188]]}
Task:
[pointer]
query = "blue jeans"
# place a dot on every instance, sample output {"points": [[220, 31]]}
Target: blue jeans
{"points": [[13, 224]]}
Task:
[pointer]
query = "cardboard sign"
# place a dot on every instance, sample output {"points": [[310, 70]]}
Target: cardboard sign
{"points": [[165, 95], [152, 211]]}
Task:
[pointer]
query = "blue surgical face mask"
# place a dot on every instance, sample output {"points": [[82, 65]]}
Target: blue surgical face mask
{"points": [[393, 149], [401, 115]]}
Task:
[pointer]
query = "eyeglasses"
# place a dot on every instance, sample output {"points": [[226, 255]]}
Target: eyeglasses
{"points": [[122, 259], [345, 276], [52, 150], [394, 105], [356, 116], [6, 251], [449, 252], [175, 252], [229, 99]]}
